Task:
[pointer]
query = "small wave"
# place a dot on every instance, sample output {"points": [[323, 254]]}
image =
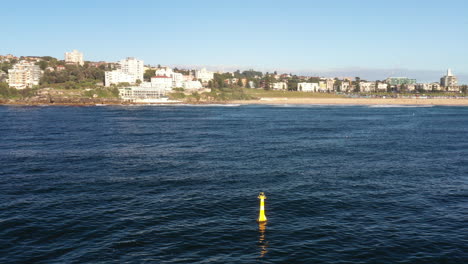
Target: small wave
{"points": [[398, 105], [209, 105], [312, 105]]}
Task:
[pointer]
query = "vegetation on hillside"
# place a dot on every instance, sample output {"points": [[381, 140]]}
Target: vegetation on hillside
{"points": [[7, 92]]}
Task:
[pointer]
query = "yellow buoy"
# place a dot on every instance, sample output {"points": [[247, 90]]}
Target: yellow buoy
{"points": [[261, 216]]}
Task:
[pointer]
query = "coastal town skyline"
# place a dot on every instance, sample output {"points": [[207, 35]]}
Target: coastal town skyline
{"points": [[340, 38], [343, 73], [138, 81]]}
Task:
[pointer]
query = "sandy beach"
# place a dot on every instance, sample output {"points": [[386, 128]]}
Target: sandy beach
{"points": [[359, 101]]}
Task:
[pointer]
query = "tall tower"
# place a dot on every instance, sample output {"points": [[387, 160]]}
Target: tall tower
{"points": [[449, 81]]}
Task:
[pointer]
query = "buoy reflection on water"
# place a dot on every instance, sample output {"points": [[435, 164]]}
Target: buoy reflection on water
{"points": [[263, 244]]}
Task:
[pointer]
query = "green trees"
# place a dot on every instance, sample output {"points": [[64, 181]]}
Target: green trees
{"points": [[464, 89], [5, 66], [9, 92], [148, 74], [79, 75], [292, 83], [239, 82]]}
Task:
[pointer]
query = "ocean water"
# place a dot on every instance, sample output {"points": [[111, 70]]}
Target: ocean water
{"points": [[179, 184]]}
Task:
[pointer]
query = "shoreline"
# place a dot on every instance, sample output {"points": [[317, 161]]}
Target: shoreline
{"points": [[358, 101], [266, 101]]}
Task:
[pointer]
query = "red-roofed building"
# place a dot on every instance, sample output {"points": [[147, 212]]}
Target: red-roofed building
{"points": [[162, 82]]}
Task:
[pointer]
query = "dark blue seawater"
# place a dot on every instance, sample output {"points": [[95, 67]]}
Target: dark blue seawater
{"points": [[179, 184]]}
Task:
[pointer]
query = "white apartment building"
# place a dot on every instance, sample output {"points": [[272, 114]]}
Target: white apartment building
{"points": [[308, 87], [143, 93], [367, 86], [188, 77], [326, 85], [164, 71], [164, 83], [428, 86], [382, 87], [177, 79], [115, 77], [130, 71], [343, 86], [24, 75], [133, 66], [204, 75], [192, 85], [279, 86], [74, 57], [449, 81]]}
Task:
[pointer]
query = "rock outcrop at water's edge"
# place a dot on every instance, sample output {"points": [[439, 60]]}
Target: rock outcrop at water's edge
{"points": [[61, 101]]}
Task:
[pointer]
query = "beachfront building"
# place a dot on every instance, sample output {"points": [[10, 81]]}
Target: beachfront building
{"points": [[192, 85], [329, 83], [177, 79], [367, 86], [308, 87], [279, 86], [381, 87], [74, 57], [407, 88], [449, 81], [142, 93], [130, 71], [428, 87], [133, 66], [322, 86], [326, 85], [342, 86], [24, 75], [163, 83], [204, 75], [164, 71], [116, 77], [397, 81]]}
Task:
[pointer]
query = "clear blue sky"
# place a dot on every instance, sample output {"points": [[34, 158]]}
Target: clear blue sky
{"points": [[296, 36]]}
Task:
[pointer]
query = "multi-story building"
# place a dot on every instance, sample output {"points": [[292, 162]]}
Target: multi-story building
{"points": [[130, 70], [279, 86], [342, 86], [177, 79], [408, 87], [397, 81], [145, 92], [381, 87], [308, 87], [449, 81], [203, 75], [115, 77], [24, 74], [74, 57], [367, 86], [164, 71], [192, 85], [163, 83], [428, 87], [133, 66]]}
